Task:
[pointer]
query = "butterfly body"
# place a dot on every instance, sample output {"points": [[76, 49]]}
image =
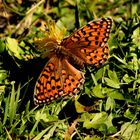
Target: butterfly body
{"points": [[86, 46]]}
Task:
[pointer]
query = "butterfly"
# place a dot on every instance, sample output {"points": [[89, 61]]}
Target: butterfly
{"points": [[86, 46]]}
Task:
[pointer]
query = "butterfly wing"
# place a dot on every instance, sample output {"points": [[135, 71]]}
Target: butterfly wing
{"points": [[89, 42], [59, 78]]}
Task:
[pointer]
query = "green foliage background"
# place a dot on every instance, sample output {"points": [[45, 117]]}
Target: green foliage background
{"points": [[107, 108]]}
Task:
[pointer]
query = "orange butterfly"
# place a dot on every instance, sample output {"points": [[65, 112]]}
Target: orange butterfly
{"points": [[86, 46]]}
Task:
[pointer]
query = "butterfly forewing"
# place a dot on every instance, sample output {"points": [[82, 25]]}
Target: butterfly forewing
{"points": [[93, 35], [97, 57], [58, 79], [89, 42]]}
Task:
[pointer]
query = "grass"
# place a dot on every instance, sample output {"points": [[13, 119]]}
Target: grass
{"points": [[108, 106]]}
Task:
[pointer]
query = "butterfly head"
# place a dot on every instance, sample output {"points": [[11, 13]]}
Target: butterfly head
{"points": [[51, 44]]}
